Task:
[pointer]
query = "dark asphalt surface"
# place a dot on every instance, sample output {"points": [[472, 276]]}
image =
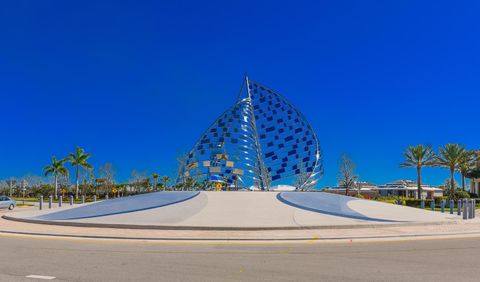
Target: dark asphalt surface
{"points": [[71, 260]]}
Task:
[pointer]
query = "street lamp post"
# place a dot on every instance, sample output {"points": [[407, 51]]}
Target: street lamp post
{"points": [[23, 184]]}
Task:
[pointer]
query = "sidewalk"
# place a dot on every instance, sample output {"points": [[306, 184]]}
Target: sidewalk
{"points": [[469, 228]]}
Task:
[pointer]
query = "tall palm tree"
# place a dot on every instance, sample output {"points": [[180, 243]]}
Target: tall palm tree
{"points": [[419, 156], [78, 159], [467, 162], [450, 156], [56, 168], [155, 179], [165, 179]]}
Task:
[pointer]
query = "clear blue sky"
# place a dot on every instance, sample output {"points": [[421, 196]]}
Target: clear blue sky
{"points": [[136, 82]]}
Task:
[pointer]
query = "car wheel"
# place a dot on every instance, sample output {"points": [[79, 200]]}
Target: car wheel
{"points": [[11, 207]]}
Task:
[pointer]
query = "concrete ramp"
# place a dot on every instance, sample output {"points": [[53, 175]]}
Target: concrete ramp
{"points": [[325, 203], [120, 205], [356, 208]]}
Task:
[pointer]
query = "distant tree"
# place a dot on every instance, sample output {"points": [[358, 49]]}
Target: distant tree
{"points": [[346, 174], [11, 182], [136, 179], [78, 159], [84, 181], [190, 183], [450, 156], [155, 177], [107, 172], [267, 178], [466, 164], [56, 168], [359, 187], [33, 180], [145, 184], [457, 193], [165, 179], [205, 183], [302, 181], [419, 156], [266, 181]]}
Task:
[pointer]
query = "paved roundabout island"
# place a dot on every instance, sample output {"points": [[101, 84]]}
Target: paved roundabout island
{"points": [[233, 211]]}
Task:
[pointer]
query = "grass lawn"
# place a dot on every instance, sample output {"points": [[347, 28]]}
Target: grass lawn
{"points": [[24, 205]]}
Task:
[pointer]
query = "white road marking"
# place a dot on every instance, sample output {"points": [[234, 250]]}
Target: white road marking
{"points": [[41, 277]]}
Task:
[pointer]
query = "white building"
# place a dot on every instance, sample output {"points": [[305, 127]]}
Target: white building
{"points": [[283, 188], [408, 188], [475, 185], [403, 188], [475, 180], [366, 189]]}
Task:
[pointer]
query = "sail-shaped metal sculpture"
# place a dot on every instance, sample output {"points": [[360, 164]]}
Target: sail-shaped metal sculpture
{"points": [[261, 140]]}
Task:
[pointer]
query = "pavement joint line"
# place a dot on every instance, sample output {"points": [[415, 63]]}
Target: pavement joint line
{"points": [[41, 277], [213, 228], [331, 242], [232, 241]]}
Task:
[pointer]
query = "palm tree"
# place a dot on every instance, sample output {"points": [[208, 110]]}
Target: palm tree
{"points": [[56, 168], [165, 179], [419, 156], [190, 184], [450, 156], [78, 159], [467, 162], [155, 179]]}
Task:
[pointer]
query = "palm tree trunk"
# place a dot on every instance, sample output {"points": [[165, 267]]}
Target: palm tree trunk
{"points": [[419, 183], [56, 186], [452, 181], [463, 182], [76, 184]]}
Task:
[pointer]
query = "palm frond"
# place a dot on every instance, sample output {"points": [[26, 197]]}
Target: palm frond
{"points": [[419, 156]]}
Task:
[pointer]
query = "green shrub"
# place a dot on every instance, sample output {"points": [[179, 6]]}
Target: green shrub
{"points": [[459, 194]]}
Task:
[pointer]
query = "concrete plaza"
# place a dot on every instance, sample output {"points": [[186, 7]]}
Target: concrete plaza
{"points": [[235, 210]]}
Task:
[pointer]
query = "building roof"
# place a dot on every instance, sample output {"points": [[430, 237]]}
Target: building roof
{"points": [[409, 185]]}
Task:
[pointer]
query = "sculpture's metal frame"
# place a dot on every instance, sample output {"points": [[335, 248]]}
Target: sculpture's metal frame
{"points": [[260, 140]]}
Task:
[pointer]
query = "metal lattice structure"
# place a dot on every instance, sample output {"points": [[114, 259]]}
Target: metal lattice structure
{"points": [[261, 140]]}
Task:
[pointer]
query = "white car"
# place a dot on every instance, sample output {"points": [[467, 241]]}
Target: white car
{"points": [[7, 203]]}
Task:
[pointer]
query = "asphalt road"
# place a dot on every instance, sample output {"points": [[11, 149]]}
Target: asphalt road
{"points": [[71, 260]]}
